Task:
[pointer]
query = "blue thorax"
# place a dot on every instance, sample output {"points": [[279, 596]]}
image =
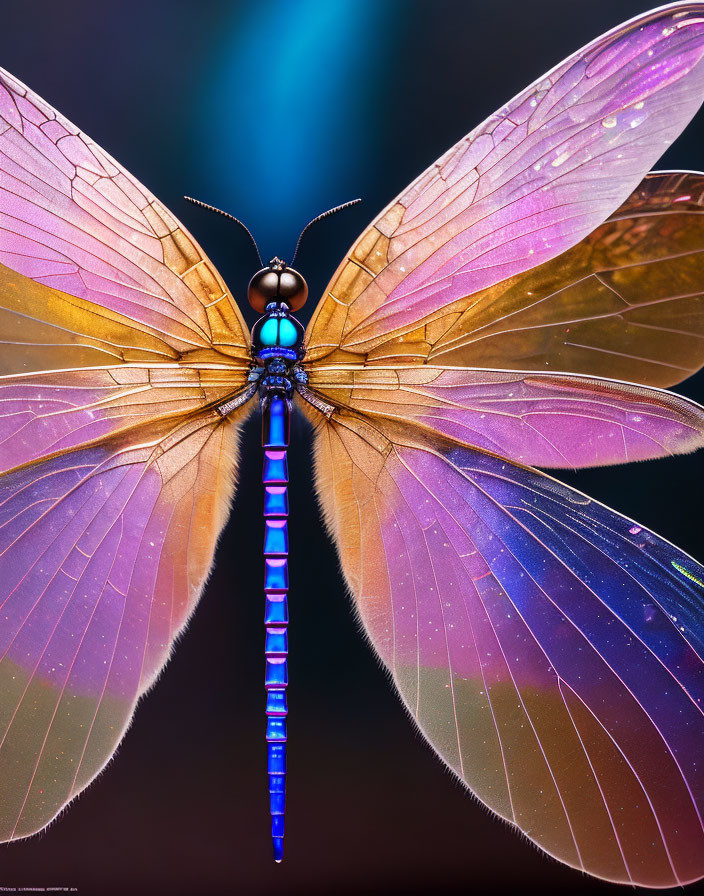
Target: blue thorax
{"points": [[277, 335]]}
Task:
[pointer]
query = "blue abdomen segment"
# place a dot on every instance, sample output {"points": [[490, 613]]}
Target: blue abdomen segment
{"points": [[275, 440]]}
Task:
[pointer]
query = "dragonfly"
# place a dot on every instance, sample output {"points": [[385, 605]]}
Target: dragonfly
{"points": [[523, 305]]}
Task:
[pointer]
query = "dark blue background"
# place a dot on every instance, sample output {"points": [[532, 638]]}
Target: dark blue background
{"points": [[277, 110]]}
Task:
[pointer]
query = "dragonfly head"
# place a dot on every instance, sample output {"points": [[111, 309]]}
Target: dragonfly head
{"points": [[277, 283], [277, 290]]}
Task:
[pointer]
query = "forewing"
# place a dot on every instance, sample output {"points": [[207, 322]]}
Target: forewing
{"points": [[528, 184], [549, 649], [96, 241], [103, 554], [543, 420], [627, 302]]}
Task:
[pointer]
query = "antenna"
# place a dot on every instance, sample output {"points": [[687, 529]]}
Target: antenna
{"points": [[211, 208], [330, 211]]}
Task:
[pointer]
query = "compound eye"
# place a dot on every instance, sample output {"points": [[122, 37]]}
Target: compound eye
{"points": [[293, 289], [263, 288]]}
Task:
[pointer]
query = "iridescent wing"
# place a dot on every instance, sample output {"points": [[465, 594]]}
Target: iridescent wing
{"points": [[627, 302], [441, 273], [103, 554], [541, 419], [116, 470], [549, 649], [101, 249]]}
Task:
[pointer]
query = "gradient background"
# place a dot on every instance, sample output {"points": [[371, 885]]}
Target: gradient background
{"points": [[276, 111]]}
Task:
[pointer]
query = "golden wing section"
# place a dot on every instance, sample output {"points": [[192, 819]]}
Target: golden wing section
{"points": [[229, 333], [94, 267], [44, 328], [72, 371], [626, 303]]}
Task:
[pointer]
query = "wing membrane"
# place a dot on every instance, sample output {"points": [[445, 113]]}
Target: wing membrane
{"points": [[544, 420], [527, 185], [118, 340], [549, 649], [103, 554], [73, 219], [54, 412], [626, 303]]}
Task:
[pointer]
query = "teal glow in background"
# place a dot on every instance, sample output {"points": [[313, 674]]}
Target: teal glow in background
{"points": [[288, 119]]}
